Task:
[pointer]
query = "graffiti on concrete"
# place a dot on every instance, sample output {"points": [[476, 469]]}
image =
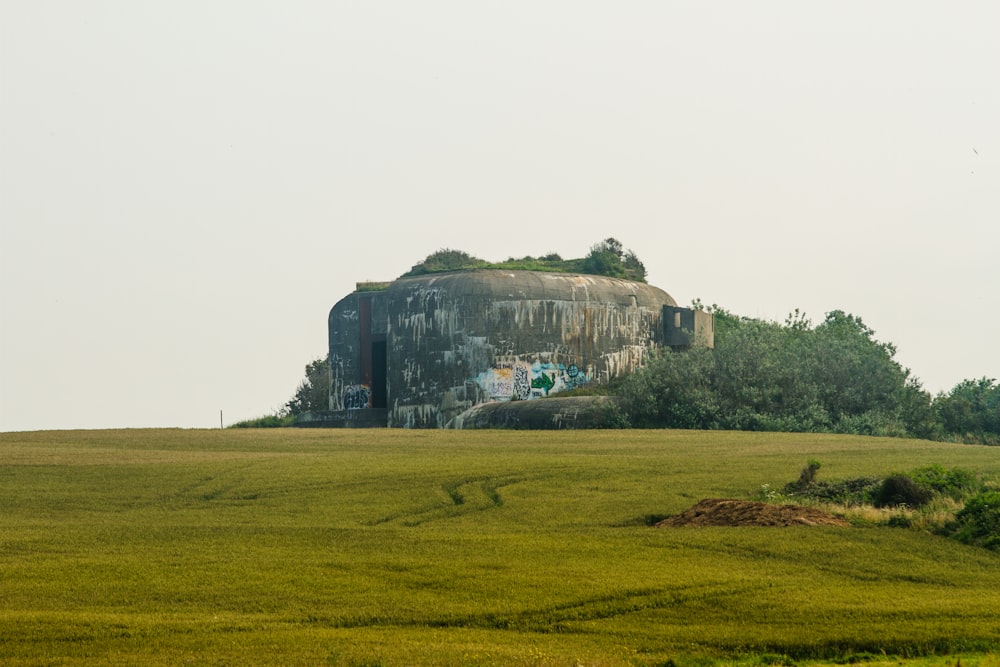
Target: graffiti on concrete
{"points": [[549, 378], [357, 397], [523, 381], [543, 381], [497, 382], [575, 378]]}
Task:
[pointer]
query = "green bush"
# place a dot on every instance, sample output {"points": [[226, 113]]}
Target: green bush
{"points": [[850, 492], [954, 483], [445, 259], [609, 258], [807, 477], [898, 490], [808, 474], [313, 392], [269, 421], [979, 521]]}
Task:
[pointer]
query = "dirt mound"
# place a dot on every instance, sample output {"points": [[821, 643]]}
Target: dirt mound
{"points": [[723, 512]]}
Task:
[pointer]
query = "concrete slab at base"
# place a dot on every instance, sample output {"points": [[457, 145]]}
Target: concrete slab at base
{"points": [[572, 412], [368, 418]]}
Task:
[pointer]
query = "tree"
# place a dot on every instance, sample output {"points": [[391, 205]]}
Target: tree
{"points": [[313, 392], [861, 386], [971, 410], [609, 258], [765, 376], [917, 412], [675, 390], [634, 268]]}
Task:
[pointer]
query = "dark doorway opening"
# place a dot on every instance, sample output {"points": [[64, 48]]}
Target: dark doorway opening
{"points": [[380, 397]]}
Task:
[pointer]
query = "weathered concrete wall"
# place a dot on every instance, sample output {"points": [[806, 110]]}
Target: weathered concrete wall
{"points": [[455, 340], [351, 387]]}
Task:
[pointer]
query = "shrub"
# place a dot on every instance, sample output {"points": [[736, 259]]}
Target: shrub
{"points": [[445, 259], [979, 521], [851, 492], [807, 477], [897, 490], [313, 392], [955, 483], [808, 474], [268, 421], [609, 258]]}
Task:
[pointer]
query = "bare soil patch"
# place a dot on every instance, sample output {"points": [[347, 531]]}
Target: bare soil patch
{"points": [[725, 512]]}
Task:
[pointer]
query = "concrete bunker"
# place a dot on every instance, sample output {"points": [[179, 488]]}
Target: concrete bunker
{"points": [[419, 351]]}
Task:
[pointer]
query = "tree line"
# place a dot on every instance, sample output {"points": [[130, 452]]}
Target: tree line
{"points": [[832, 377]]}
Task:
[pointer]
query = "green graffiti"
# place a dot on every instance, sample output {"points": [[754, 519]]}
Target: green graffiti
{"points": [[543, 381]]}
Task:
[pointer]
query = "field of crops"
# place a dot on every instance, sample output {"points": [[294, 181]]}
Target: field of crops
{"points": [[313, 547]]}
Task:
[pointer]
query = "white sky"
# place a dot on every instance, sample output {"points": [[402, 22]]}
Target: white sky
{"points": [[186, 188]]}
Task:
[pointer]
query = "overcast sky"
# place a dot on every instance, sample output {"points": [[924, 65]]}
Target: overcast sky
{"points": [[186, 188]]}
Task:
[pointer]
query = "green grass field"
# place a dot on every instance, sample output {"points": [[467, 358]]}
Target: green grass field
{"points": [[316, 547]]}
